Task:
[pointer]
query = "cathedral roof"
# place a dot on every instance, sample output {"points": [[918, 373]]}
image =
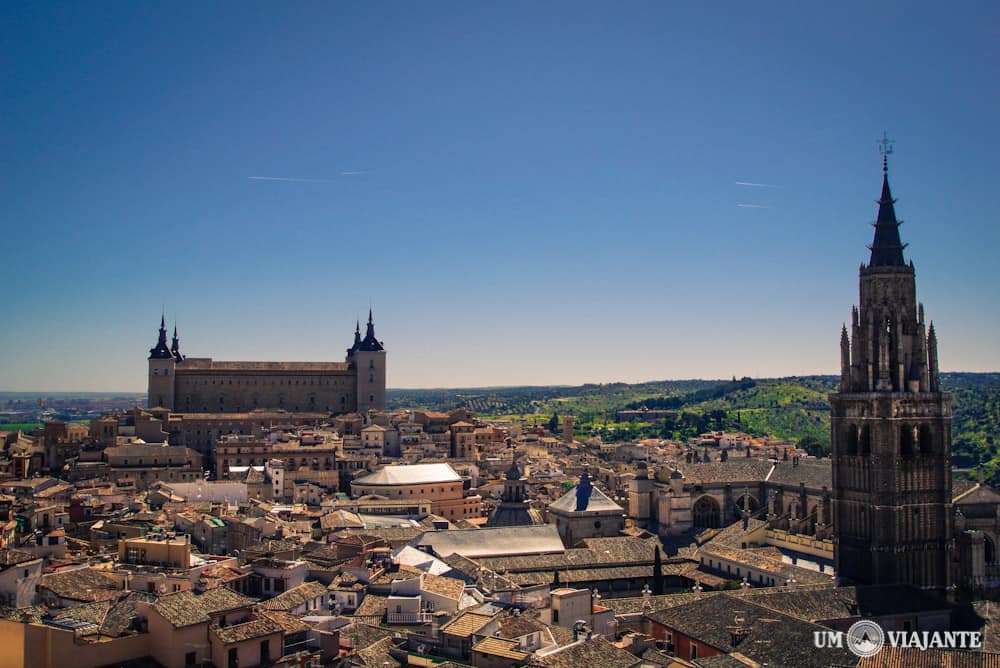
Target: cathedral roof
{"points": [[886, 247], [597, 502], [514, 514]]}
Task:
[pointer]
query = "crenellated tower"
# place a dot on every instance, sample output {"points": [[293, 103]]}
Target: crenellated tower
{"points": [[890, 428]]}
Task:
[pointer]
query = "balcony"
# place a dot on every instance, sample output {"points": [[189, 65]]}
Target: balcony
{"points": [[408, 617]]}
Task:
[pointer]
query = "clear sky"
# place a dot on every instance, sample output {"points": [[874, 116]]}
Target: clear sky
{"points": [[527, 192]]}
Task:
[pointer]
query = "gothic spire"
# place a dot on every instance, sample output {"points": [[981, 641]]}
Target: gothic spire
{"points": [[161, 351], [886, 247]]}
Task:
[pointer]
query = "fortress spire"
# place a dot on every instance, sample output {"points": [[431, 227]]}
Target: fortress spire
{"points": [[161, 351], [370, 343], [175, 346]]}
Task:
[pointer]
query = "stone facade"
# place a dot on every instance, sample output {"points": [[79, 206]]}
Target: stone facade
{"points": [[586, 512], [793, 495], [203, 385]]}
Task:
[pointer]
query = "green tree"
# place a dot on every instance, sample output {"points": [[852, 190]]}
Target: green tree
{"points": [[813, 446], [657, 573]]}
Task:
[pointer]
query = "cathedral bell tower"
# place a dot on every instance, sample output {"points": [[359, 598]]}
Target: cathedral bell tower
{"points": [[890, 428]]}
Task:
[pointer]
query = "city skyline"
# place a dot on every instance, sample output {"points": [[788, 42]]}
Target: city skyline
{"points": [[526, 196]]}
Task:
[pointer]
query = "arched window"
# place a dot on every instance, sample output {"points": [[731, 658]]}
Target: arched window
{"points": [[706, 513], [748, 501], [851, 440], [907, 443], [865, 441], [925, 438]]}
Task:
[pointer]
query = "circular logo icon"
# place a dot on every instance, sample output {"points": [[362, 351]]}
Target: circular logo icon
{"points": [[865, 638]]}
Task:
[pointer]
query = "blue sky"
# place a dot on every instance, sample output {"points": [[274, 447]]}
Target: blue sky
{"points": [[526, 192]]}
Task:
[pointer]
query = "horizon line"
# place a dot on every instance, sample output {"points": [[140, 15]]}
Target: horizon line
{"points": [[506, 387]]}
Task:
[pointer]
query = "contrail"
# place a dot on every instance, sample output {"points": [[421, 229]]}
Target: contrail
{"points": [[752, 184], [286, 178]]}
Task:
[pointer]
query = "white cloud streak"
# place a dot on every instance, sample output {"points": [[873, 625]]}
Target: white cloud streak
{"points": [[752, 184], [295, 179], [287, 179], [753, 206]]}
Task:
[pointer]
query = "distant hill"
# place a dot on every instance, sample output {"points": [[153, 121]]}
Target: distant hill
{"points": [[794, 408]]}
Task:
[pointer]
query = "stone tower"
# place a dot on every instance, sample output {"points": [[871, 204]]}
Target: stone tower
{"points": [[890, 429], [162, 360], [368, 357]]}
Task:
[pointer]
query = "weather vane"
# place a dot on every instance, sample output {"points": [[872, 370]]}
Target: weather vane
{"points": [[885, 150]]}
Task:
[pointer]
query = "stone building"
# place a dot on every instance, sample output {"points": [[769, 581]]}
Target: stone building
{"points": [[203, 385], [976, 517], [586, 512], [793, 495], [437, 483], [514, 508], [890, 428]]}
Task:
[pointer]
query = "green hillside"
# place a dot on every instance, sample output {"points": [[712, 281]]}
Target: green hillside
{"points": [[793, 408]]}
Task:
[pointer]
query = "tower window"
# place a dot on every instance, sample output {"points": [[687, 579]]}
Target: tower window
{"points": [[851, 443], [864, 441], [925, 440], [906, 441]]}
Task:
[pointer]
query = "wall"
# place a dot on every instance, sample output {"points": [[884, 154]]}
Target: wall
{"points": [[16, 590], [248, 653], [800, 543], [328, 391], [36, 645], [169, 645]]}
